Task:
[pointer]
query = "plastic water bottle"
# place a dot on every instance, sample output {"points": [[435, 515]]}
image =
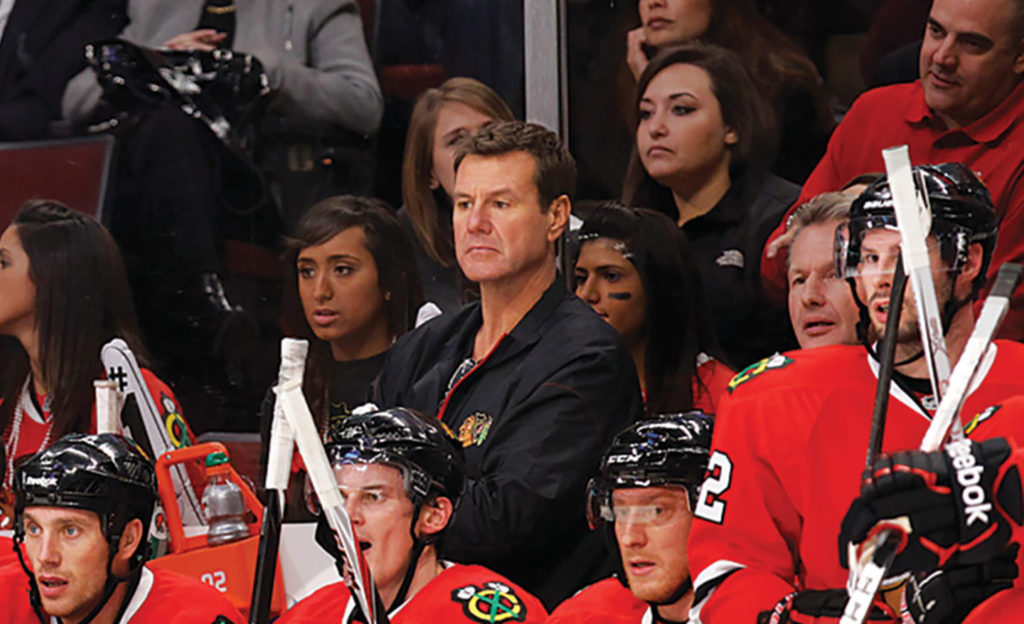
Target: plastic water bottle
{"points": [[223, 504]]}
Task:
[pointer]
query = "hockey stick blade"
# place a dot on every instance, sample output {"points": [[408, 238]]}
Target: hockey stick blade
{"points": [[279, 463], [357, 577], [150, 429], [992, 313]]}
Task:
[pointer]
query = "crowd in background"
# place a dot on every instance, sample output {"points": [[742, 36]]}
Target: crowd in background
{"points": [[716, 146]]}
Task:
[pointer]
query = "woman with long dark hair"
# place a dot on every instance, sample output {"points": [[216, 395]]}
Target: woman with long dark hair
{"points": [[638, 273], [63, 295], [441, 118], [784, 77], [351, 291], [703, 137]]}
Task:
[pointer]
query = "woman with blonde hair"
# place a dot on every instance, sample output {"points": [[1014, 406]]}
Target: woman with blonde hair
{"points": [[441, 118]]}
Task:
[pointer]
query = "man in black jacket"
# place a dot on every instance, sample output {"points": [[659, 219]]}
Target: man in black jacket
{"points": [[42, 45], [532, 382]]}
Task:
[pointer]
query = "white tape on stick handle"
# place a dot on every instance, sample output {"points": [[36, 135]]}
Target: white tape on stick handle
{"points": [[357, 577], [282, 442], [108, 406]]}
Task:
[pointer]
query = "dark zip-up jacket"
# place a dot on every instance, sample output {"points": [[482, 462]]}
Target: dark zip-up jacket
{"points": [[534, 417]]}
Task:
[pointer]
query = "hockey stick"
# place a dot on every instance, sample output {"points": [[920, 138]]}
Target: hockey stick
{"points": [[865, 578], [886, 362], [357, 573], [868, 571], [914, 225], [279, 463], [992, 313], [155, 434], [882, 550]]}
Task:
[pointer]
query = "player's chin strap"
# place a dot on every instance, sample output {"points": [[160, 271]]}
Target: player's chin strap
{"points": [[418, 544], [683, 589], [33, 593]]}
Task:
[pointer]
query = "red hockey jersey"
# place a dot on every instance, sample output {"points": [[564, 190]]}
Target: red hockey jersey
{"points": [[786, 461], [161, 597], [461, 593], [605, 602]]}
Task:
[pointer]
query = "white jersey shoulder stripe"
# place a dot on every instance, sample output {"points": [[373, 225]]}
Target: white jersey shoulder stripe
{"points": [[707, 580], [896, 391]]}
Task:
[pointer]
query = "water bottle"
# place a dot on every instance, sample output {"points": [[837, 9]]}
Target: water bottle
{"points": [[223, 504]]}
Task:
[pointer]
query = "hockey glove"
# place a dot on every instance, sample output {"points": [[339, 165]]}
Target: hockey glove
{"points": [[947, 595], [955, 505], [818, 606]]}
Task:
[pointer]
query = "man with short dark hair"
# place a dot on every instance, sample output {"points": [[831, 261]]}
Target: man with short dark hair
{"points": [[533, 383], [82, 513], [967, 107]]}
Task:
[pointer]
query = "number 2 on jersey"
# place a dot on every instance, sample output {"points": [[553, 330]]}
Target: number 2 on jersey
{"points": [[709, 507]]}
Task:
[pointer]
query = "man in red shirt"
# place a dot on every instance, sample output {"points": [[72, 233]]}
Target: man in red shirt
{"points": [[82, 513], [402, 477], [791, 436], [967, 107], [643, 499]]}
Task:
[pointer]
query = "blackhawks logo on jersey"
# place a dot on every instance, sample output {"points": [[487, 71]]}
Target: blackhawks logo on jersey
{"points": [[494, 602], [980, 418], [774, 362], [473, 431]]}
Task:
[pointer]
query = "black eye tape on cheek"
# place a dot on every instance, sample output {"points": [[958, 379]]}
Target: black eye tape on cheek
{"points": [[620, 296]]}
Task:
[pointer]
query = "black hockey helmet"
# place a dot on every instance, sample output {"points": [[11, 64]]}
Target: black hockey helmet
{"points": [[427, 455], [103, 473], [423, 450], [962, 213], [663, 450], [106, 474]]}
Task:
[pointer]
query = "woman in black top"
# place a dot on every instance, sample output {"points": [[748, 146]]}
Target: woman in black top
{"points": [[351, 292], [703, 145]]}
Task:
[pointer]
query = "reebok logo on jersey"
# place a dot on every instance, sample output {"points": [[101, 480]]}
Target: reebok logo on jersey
{"points": [[969, 474]]}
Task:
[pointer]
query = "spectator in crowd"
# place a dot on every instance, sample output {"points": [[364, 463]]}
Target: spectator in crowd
{"points": [[821, 307], [532, 381], [783, 75], [637, 271], [320, 73], [643, 500], [701, 140], [83, 511], [351, 291], [441, 118], [41, 44], [63, 295], [764, 535], [402, 476], [967, 108], [313, 52]]}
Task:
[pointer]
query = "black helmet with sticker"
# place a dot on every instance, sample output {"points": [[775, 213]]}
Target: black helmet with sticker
{"points": [[426, 453], [962, 213], [664, 450], [106, 474]]}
